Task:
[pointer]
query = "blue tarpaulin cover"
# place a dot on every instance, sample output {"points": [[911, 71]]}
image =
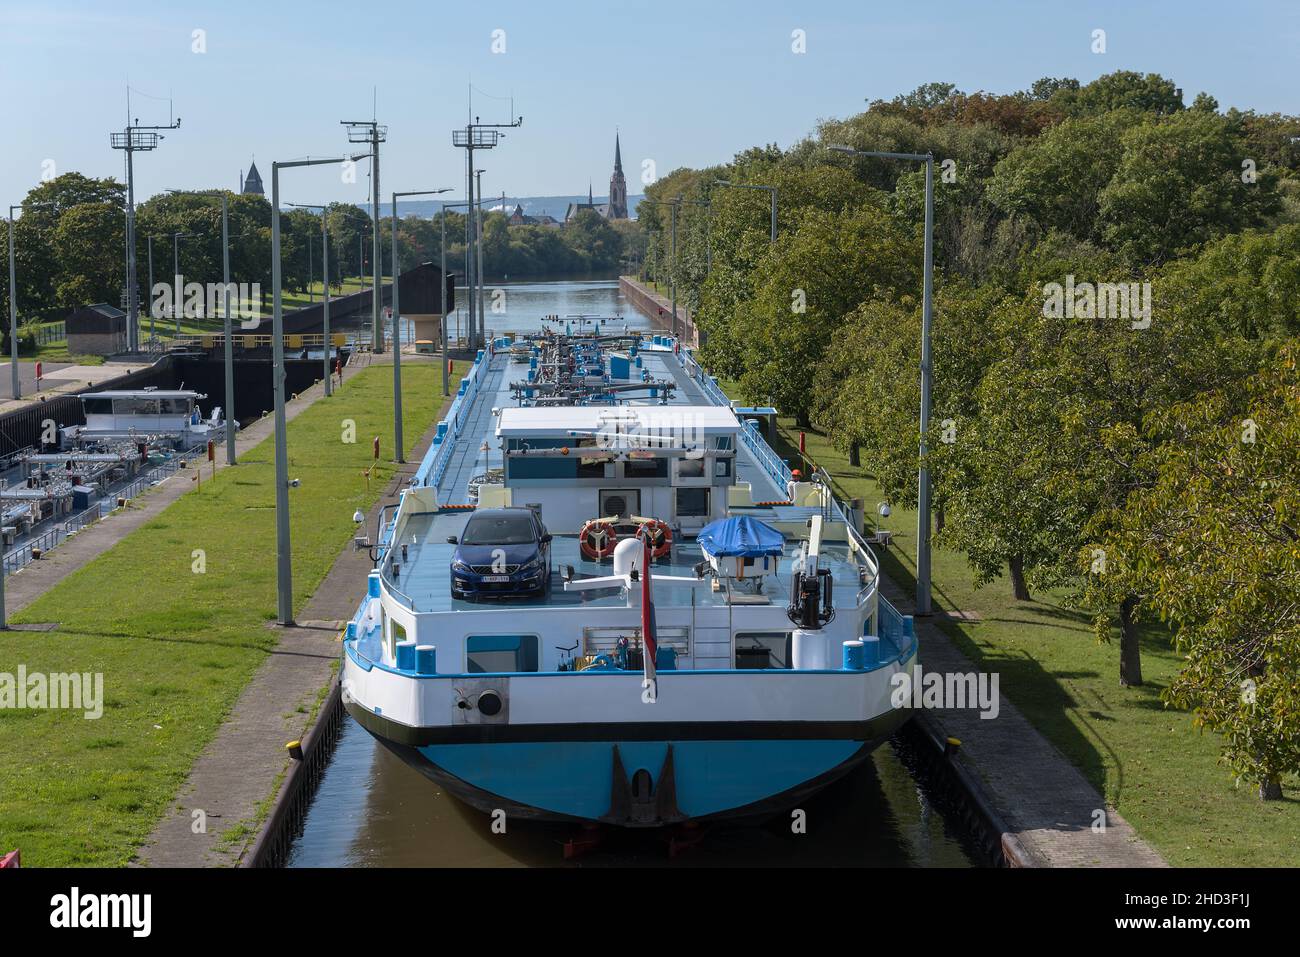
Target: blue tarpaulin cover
{"points": [[743, 536]]}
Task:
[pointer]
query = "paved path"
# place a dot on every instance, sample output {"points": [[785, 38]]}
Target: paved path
{"points": [[242, 768], [61, 378], [1045, 801]]}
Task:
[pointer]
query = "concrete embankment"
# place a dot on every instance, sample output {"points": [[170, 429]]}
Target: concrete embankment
{"points": [[659, 309], [1024, 801]]}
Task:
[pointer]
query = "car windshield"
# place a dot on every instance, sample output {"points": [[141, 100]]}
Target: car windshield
{"points": [[499, 530]]}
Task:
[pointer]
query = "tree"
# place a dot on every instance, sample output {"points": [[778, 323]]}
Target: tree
{"points": [[811, 279], [88, 246], [1213, 548], [1123, 89], [1057, 179], [1180, 183]]}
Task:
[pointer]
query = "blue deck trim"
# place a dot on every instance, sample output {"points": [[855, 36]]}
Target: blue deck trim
{"points": [[365, 664]]}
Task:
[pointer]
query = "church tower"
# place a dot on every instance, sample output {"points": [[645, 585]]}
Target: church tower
{"points": [[617, 186], [252, 183]]}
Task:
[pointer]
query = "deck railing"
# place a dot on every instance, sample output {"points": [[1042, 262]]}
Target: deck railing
{"points": [[896, 628], [768, 460], [450, 428]]}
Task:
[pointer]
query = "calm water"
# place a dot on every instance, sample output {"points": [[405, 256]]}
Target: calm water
{"points": [[374, 811], [520, 306]]}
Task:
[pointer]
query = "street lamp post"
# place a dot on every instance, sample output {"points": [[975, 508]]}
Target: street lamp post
{"points": [[927, 371], [770, 189], [284, 563], [374, 133], [325, 302], [13, 325], [228, 348], [177, 288], [672, 268], [152, 336], [443, 264], [478, 250], [398, 444]]}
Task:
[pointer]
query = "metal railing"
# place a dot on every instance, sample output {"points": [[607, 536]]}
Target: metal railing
{"points": [[450, 427], [51, 333], [214, 340], [768, 460]]}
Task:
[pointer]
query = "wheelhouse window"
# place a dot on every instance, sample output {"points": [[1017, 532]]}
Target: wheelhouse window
{"points": [[98, 406], [135, 406], [645, 468], [690, 468], [763, 650], [496, 654]]}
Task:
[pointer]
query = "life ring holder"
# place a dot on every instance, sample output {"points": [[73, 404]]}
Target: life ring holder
{"points": [[659, 535], [597, 539]]}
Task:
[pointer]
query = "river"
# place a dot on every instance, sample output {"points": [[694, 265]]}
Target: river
{"points": [[372, 810]]}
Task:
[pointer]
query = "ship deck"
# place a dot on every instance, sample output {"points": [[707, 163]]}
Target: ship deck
{"points": [[423, 578]]}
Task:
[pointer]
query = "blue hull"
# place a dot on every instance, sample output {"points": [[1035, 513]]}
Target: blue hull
{"points": [[636, 783]]}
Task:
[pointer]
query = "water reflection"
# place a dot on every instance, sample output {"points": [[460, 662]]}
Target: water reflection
{"points": [[372, 810]]}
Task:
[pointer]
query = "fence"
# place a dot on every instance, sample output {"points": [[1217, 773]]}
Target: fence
{"points": [[55, 332]]}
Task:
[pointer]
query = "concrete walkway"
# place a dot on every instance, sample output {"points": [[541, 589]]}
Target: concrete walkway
{"points": [[1047, 804], [60, 378], [240, 771]]}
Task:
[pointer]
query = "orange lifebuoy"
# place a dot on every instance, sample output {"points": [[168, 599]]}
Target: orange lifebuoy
{"points": [[658, 534], [597, 539]]}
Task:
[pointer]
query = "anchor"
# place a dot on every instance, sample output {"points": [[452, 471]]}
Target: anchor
{"points": [[638, 802]]}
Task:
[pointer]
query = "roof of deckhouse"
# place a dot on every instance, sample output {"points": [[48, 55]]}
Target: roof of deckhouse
{"points": [[538, 421]]}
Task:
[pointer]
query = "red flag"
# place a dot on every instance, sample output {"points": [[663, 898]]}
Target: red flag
{"points": [[649, 643]]}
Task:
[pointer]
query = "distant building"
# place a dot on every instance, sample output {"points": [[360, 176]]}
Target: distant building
{"points": [[616, 208], [518, 218], [617, 186], [97, 330], [252, 183]]}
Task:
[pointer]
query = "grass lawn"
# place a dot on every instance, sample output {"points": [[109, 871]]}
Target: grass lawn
{"points": [[57, 351], [176, 647], [1151, 764]]}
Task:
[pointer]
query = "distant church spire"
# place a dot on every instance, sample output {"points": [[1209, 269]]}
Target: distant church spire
{"points": [[252, 183], [617, 185], [590, 201]]}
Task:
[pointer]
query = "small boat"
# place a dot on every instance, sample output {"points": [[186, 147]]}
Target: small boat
{"points": [[162, 417]]}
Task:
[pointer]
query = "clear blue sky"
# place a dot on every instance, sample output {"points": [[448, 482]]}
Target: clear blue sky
{"points": [[685, 83]]}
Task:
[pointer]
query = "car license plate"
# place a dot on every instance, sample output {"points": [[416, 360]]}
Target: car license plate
{"points": [[494, 579]]}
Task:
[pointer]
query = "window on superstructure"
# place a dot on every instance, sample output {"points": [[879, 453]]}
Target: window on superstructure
{"points": [[645, 468], [763, 650], [500, 654]]}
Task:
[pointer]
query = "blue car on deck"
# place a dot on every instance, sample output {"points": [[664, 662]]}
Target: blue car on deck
{"points": [[503, 552]]}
